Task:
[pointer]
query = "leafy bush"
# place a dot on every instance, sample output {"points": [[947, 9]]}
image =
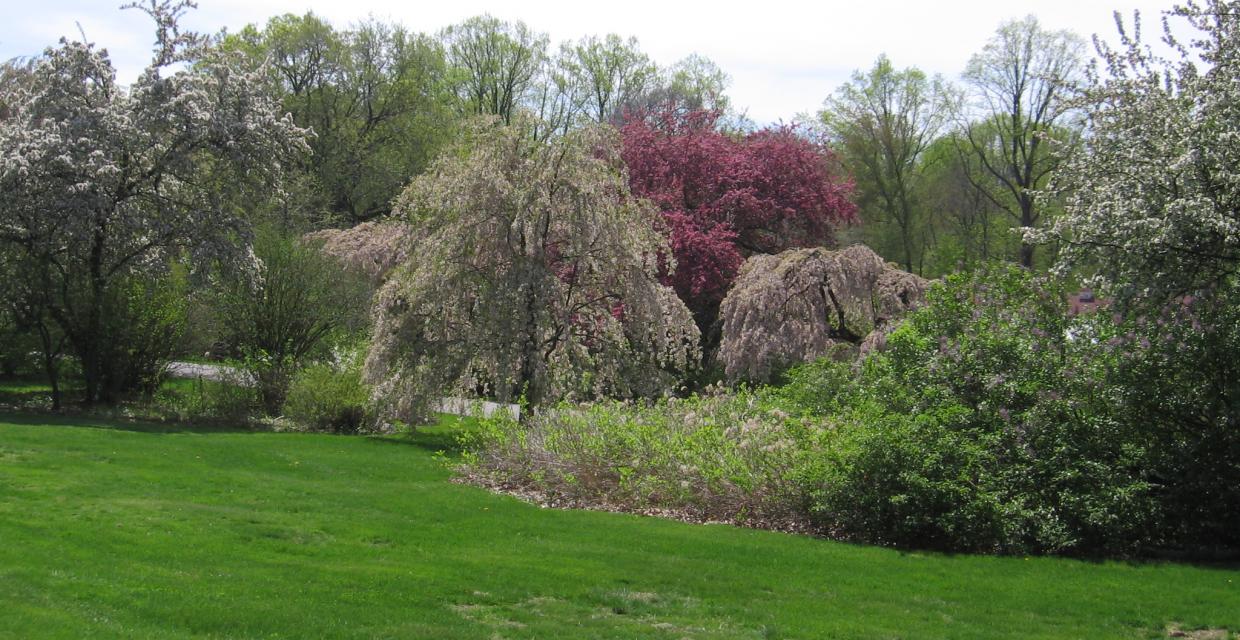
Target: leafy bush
{"points": [[294, 307], [1177, 388], [19, 352], [330, 396], [144, 319], [725, 458], [993, 422], [985, 426], [230, 401]]}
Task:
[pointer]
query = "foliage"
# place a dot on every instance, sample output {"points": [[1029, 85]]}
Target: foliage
{"points": [[968, 229], [376, 96], [804, 304], [612, 73], [1150, 209], [1021, 83], [1177, 386], [100, 185], [721, 458], [29, 339], [372, 248], [693, 83], [987, 426], [726, 198], [1151, 203], [145, 320], [496, 64], [330, 395], [535, 278], [993, 422], [884, 121], [291, 308], [231, 401]]}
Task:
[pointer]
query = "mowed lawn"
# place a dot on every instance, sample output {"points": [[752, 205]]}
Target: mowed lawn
{"points": [[131, 531]]}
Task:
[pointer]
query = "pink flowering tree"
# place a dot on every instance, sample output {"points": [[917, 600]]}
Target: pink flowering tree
{"points": [[726, 197]]}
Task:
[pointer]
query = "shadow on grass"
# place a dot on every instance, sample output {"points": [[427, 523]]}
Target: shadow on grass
{"points": [[434, 441], [117, 423], [443, 436]]}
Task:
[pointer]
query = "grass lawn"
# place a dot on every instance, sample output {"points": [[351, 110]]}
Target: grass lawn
{"points": [[122, 530]]}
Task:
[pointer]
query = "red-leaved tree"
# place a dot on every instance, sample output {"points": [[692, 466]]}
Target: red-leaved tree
{"points": [[726, 197]]}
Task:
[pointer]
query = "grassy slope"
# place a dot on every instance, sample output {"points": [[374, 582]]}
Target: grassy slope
{"points": [[125, 531]]}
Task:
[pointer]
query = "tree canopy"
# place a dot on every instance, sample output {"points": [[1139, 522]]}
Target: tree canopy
{"points": [[535, 277], [725, 198], [1152, 204], [1021, 83], [884, 121], [100, 183]]}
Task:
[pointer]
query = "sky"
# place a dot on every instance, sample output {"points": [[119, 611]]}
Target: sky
{"points": [[784, 57]]}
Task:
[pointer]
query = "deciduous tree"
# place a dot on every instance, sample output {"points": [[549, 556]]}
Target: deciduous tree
{"points": [[376, 97], [495, 64], [101, 184], [612, 72], [1153, 203], [725, 198], [1021, 88], [535, 278], [884, 121]]}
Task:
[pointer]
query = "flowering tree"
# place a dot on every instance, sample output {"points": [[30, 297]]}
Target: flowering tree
{"points": [[1152, 207], [725, 198], [799, 305], [100, 184], [1154, 201], [535, 276]]}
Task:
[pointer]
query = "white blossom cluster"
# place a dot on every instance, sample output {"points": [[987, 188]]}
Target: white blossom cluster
{"points": [[1154, 201], [107, 178], [99, 182]]}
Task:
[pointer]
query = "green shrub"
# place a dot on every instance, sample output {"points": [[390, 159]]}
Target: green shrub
{"points": [[1176, 385], [291, 310], [144, 320], [198, 400], [993, 422], [20, 352], [724, 458], [984, 426], [330, 396]]}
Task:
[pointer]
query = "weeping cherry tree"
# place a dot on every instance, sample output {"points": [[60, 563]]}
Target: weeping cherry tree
{"points": [[534, 275]]}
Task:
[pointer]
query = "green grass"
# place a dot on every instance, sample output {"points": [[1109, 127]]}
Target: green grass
{"points": [[144, 531]]}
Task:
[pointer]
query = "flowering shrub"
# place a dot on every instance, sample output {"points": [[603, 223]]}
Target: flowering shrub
{"points": [[987, 426], [994, 422], [721, 458]]}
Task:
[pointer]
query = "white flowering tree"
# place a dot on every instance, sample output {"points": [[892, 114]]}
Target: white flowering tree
{"points": [[101, 184], [1154, 203], [1153, 208], [533, 273]]}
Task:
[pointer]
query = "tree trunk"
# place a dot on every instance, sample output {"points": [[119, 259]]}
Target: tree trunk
{"points": [[50, 367], [1026, 255]]}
